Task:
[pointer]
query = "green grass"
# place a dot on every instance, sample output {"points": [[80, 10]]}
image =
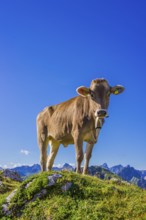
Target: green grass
{"points": [[89, 198], [7, 187]]}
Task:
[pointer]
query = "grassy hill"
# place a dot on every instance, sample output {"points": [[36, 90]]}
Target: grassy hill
{"points": [[45, 196], [7, 185]]}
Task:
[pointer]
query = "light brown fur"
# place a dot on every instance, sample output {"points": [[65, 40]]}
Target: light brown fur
{"points": [[71, 122]]}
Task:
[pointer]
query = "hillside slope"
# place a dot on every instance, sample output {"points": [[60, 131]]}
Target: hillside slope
{"points": [[67, 195], [7, 185]]}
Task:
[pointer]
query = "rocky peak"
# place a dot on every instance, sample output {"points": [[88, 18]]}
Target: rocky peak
{"points": [[127, 173], [105, 166], [11, 174], [116, 169], [67, 166]]}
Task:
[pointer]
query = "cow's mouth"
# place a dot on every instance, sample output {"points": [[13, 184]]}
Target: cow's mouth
{"points": [[98, 123], [100, 115]]}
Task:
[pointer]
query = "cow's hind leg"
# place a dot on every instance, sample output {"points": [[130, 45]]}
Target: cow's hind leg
{"points": [[79, 151], [42, 142], [87, 156], [54, 146], [43, 155]]}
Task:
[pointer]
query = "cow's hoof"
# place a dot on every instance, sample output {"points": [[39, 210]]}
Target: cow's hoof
{"points": [[48, 170], [78, 171], [85, 172]]}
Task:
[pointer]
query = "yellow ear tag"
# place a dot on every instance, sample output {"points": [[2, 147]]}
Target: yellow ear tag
{"points": [[116, 92]]}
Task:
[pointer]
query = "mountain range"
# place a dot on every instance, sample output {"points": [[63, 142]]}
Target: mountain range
{"points": [[25, 171], [127, 173]]}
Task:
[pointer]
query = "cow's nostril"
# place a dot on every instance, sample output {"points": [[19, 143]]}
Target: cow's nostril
{"points": [[101, 113]]}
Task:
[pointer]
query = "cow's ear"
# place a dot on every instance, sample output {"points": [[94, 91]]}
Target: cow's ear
{"points": [[83, 91], [116, 90]]}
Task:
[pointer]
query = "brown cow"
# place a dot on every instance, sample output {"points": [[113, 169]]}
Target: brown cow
{"points": [[74, 121]]}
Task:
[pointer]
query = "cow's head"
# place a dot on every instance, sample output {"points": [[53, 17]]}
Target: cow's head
{"points": [[99, 92]]}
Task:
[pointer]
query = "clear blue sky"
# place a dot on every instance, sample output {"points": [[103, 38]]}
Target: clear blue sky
{"points": [[49, 48]]}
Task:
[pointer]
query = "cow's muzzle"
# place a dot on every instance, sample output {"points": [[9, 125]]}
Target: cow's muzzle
{"points": [[100, 115]]}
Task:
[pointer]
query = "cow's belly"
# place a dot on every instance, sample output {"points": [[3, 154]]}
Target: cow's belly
{"points": [[64, 140]]}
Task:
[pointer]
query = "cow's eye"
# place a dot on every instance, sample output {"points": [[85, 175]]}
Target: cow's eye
{"points": [[92, 95]]}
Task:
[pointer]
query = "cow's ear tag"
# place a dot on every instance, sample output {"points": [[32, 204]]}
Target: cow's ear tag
{"points": [[83, 91], [117, 90]]}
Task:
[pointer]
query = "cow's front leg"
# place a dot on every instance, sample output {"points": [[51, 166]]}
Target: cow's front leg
{"points": [[79, 152], [87, 156], [54, 146]]}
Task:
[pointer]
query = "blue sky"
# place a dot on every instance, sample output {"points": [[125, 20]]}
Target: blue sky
{"points": [[49, 48]]}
